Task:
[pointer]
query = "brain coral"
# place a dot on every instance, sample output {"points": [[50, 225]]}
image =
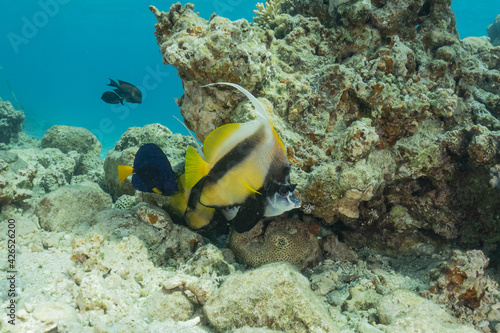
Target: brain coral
{"points": [[285, 240]]}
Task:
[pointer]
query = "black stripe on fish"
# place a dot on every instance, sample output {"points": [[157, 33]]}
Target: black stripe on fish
{"points": [[232, 159]]}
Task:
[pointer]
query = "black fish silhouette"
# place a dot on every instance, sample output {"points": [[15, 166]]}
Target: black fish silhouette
{"points": [[111, 98], [128, 92]]}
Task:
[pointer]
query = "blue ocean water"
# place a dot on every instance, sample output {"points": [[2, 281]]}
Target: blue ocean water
{"points": [[57, 56]]}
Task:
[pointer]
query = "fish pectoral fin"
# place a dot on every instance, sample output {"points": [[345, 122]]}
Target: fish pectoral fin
{"points": [[249, 188], [156, 190], [124, 171], [196, 167]]}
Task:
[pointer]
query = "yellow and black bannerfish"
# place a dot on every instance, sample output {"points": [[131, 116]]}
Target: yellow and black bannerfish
{"points": [[241, 160]]}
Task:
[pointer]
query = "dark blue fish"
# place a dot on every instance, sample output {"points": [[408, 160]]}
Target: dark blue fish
{"points": [[151, 172]]}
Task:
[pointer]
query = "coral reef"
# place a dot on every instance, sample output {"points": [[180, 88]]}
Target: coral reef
{"points": [[108, 280], [11, 122], [392, 132], [15, 178], [494, 32], [83, 142], [398, 112], [125, 202], [285, 240], [28, 171], [109, 276]]}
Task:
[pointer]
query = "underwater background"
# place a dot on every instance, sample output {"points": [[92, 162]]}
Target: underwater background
{"points": [[57, 56], [386, 128]]}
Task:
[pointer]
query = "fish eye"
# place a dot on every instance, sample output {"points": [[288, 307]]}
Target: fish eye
{"points": [[283, 190]]}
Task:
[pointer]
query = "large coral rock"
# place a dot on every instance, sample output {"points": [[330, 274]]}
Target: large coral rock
{"points": [[163, 305], [43, 170], [275, 296], [171, 245], [81, 140], [405, 311], [11, 122], [15, 178], [494, 32], [200, 49], [71, 205], [67, 138], [394, 112]]}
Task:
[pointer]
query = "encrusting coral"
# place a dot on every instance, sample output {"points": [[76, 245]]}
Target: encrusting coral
{"points": [[399, 111]]}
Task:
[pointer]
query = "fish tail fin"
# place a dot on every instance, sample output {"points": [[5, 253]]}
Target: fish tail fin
{"points": [[124, 171], [196, 167], [112, 83], [255, 102]]}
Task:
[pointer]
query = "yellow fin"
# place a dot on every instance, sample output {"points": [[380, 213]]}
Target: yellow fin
{"points": [[277, 138], [196, 167], [124, 171], [216, 139], [179, 200], [156, 190], [249, 188]]}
